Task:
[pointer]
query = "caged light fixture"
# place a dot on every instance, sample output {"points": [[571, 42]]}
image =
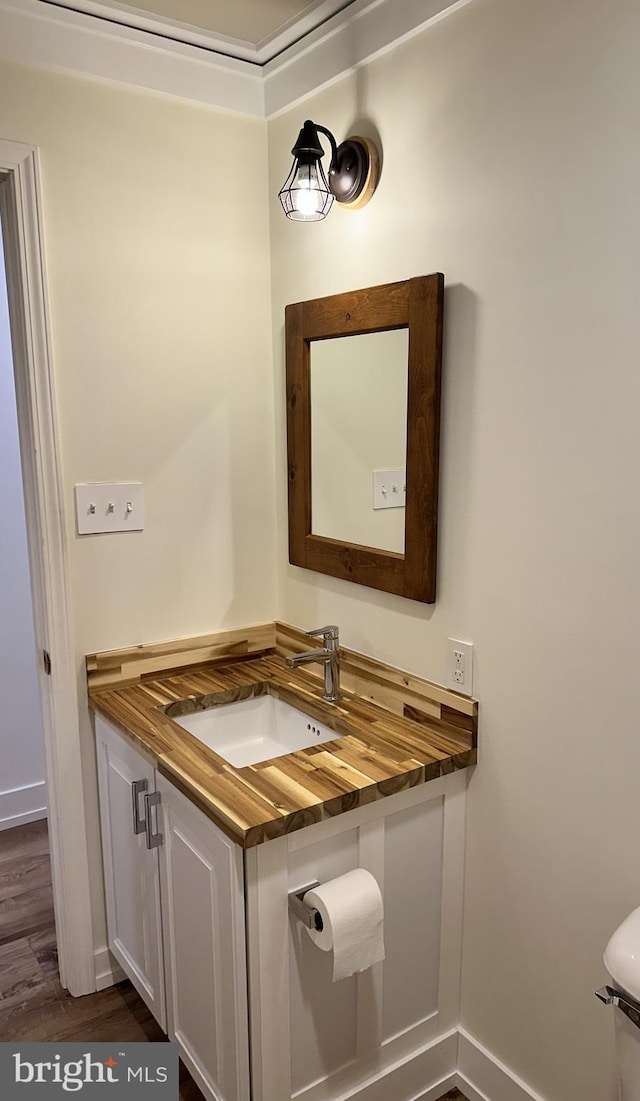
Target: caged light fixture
{"points": [[354, 168]]}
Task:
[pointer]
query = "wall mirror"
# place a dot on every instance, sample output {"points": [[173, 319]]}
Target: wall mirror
{"points": [[363, 420]]}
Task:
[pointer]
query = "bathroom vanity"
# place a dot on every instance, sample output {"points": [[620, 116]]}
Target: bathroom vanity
{"points": [[175, 914], [200, 858]]}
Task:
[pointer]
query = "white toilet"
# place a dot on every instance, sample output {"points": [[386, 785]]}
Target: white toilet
{"points": [[622, 961]]}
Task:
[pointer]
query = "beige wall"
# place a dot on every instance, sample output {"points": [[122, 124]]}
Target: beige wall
{"points": [[156, 237], [157, 250], [510, 164]]}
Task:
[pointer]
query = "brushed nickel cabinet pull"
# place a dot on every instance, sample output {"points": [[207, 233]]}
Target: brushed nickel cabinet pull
{"points": [[153, 839], [139, 824]]}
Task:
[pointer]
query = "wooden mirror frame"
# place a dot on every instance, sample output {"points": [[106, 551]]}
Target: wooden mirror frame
{"points": [[415, 304]]}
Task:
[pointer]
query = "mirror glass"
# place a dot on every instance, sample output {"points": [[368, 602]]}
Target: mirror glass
{"points": [[358, 428]]}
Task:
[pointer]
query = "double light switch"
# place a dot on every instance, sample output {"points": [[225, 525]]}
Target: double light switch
{"points": [[109, 506]]}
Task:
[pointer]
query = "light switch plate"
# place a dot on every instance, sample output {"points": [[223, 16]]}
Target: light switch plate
{"points": [[109, 506], [389, 489]]}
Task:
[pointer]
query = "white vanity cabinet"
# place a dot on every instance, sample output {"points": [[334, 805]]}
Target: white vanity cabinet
{"points": [[202, 889], [389, 1032], [175, 915], [131, 871], [205, 924]]}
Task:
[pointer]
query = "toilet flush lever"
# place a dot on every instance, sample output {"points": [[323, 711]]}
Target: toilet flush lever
{"points": [[609, 996]]}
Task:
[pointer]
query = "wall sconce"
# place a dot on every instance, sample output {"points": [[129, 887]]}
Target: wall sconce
{"points": [[307, 196]]}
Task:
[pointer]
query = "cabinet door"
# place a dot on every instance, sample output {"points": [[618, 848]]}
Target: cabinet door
{"points": [[204, 947], [131, 872]]}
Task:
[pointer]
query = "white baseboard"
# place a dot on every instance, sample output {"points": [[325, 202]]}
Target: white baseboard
{"points": [[475, 1071], [469, 1091], [21, 805], [437, 1092], [108, 971], [424, 1075], [407, 1080], [482, 1077]]}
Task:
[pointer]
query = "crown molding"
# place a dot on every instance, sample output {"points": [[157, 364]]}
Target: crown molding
{"points": [[53, 37], [299, 26], [204, 68], [159, 26], [257, 52], [357, 35]]}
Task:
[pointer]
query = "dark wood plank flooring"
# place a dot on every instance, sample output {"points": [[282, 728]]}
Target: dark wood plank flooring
{"points": [[33, 1005]]}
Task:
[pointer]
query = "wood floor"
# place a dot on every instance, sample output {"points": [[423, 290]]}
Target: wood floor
{"points": [[33, 1005]]}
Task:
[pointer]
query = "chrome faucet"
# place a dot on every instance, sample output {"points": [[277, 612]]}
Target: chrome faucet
{"points": [[329, 655]]}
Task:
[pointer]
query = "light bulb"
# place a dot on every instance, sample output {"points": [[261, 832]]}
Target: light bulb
{"points": [[309, 197]]}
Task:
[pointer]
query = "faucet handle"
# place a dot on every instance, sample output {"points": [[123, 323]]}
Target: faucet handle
{"points": [[330, 633]]}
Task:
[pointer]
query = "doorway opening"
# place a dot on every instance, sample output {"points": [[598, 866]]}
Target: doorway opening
{"points": [[23, 794], [22, 236], [27, 928]]}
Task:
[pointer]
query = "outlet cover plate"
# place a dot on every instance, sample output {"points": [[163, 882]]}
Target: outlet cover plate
{"points": [[460, 666]]}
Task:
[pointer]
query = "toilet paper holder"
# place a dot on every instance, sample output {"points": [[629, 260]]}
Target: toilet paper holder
{"points": [[308, 915]]}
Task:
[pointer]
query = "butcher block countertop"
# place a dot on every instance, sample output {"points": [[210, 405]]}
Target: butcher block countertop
{"points": [[397, 730]]}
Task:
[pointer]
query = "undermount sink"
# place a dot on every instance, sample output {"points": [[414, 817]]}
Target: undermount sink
{"points": [[252, 730]]}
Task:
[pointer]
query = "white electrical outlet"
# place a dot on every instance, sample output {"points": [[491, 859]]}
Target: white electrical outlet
{"points": [[460, 666]]}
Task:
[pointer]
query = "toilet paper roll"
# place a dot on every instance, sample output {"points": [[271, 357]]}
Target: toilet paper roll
{"points": [[352, 913]]}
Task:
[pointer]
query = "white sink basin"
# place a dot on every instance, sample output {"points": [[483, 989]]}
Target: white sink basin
{"points": [[254, 730]]}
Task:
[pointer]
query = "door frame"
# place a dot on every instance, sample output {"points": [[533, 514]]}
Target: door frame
{"points": [[20, 210]]}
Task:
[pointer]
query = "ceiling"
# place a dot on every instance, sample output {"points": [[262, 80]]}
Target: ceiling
{"points": [[255, 57], [258, 23]]}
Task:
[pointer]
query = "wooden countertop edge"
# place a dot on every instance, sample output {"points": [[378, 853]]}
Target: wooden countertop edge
{"points": [[176, 767]]}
